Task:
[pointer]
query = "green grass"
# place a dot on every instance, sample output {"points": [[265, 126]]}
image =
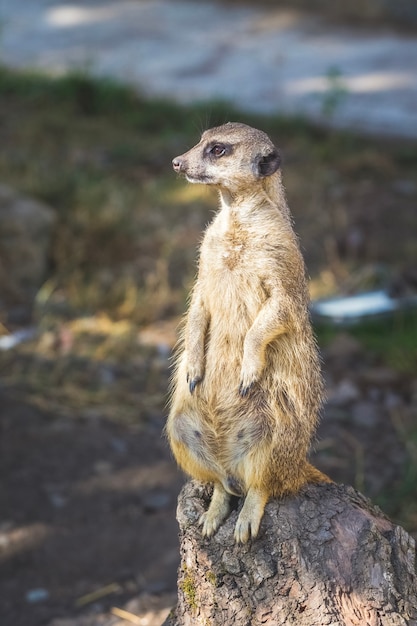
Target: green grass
{"points": [[393, 341]]}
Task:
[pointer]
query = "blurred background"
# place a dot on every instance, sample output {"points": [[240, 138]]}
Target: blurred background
{"points": [[98, 245]]}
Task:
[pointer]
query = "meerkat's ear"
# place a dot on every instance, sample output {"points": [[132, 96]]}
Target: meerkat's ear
{"points": [[267, 165]]}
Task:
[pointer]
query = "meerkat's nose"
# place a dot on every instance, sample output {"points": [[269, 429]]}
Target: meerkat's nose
{"points": [[177, 164]]}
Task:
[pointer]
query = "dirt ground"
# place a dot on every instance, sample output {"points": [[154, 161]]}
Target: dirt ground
{"points": [[87, 504]]}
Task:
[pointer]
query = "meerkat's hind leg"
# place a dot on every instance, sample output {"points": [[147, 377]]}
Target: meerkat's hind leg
{"points": [[250, 516], [218, 510]]}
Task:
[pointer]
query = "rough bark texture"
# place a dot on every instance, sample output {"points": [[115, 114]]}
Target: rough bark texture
{"points": [[325, 557]]}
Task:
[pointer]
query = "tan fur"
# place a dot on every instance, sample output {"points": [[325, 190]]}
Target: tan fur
{"points": [[247, 386]]}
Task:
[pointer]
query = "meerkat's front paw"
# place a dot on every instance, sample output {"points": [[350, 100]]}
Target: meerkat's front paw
{"points": [[193, 382], [194, 376], [249, 375]]}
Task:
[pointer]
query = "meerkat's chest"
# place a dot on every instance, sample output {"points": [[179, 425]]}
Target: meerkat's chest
{"points": [[232, 255], [232, 252], [232, 275]]}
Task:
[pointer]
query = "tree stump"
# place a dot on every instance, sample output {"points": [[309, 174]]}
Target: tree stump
{"points": [[324, 557]]}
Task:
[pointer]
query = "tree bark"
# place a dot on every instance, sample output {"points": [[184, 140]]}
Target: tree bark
{"points": [[325, 557]]}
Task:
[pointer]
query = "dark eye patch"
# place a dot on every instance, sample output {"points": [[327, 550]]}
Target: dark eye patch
{"points": [[217, 149]]}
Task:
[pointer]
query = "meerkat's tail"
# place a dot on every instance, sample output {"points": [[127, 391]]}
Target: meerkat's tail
{"points": [[313, 475]]}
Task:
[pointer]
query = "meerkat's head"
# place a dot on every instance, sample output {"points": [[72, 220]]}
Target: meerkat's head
{"points": [[232, 156]]}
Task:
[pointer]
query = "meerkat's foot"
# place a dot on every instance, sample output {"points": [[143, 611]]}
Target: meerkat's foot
{"points": [[249, 519], [218, 510]]}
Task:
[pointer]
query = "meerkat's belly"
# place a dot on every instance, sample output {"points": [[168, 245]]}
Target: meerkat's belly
{"points": [[233, 307]]}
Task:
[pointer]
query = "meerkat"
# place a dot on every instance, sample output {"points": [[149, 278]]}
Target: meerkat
{"points": [[247, 387]]}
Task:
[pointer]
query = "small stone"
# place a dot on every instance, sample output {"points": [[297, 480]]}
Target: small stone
{"points": [[366, 414], [37, 595], [344, 393]]}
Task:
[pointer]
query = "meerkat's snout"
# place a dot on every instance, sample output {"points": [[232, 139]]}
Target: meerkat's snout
{"points": [[178, 164]]}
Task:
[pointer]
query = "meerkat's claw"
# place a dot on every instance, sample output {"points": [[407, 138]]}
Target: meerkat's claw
{"points": [[250, 374], [245, 389], [192, 384]]}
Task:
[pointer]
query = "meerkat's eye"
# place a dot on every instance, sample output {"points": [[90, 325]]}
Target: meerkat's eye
{"points": [[218, 150]]}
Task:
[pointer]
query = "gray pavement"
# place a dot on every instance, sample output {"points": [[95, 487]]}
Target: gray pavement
{"points": [[261, 59]]}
